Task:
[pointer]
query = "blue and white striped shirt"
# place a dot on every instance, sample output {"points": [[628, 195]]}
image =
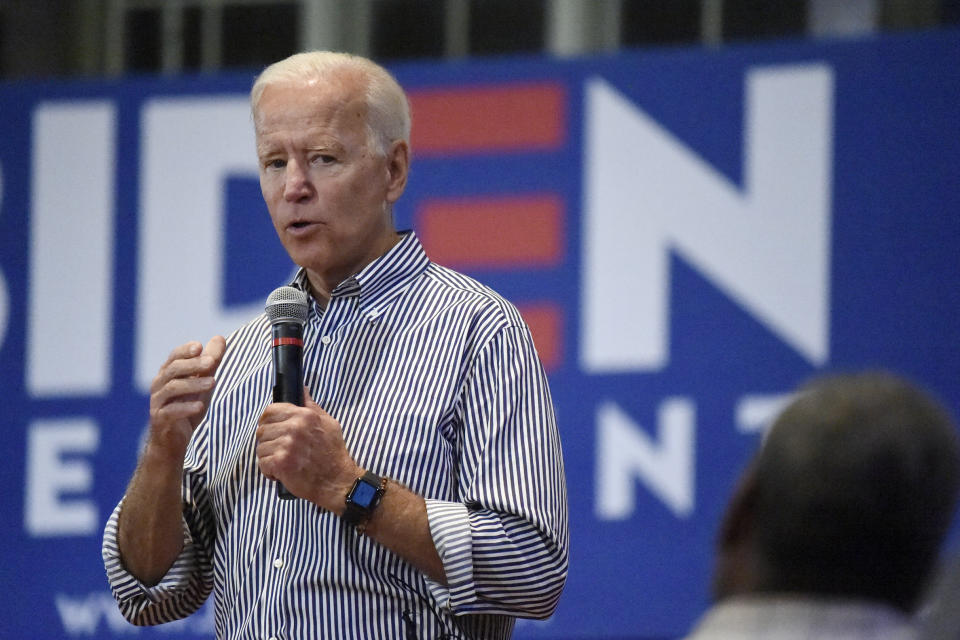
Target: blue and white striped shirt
{"points": [[436, 383]]}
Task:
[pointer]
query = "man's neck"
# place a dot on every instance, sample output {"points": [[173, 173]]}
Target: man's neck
{"points": [[322, 284]]}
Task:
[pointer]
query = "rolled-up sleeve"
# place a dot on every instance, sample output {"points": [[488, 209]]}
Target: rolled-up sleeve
{"points": [[504, 541], [185, 586]]}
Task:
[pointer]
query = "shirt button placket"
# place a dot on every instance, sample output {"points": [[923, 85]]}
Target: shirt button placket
{"points": [[277, 564]]}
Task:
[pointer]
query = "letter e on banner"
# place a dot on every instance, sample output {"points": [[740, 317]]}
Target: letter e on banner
{"points": [[49, 476]]}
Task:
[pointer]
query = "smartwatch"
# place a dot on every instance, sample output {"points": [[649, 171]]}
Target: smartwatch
{"points": [[363, 498]]}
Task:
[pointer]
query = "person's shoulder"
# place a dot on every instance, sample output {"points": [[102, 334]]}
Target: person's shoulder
{"points": [[468, 290]]}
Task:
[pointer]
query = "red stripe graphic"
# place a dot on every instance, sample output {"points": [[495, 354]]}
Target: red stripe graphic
{"points": [[517, 117], [493, 232], [545, 320], [294, 341]]}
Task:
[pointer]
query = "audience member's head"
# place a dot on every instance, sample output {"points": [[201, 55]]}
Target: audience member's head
{"points": [[850, 495]]}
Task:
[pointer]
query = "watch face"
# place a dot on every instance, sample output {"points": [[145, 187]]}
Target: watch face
{"points": [[363, 494]]}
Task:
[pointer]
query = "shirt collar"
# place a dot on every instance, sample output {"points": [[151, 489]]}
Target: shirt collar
{"points": [[383, 278]]}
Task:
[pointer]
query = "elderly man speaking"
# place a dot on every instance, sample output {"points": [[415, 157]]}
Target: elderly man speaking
{"points": [[426, 462]]}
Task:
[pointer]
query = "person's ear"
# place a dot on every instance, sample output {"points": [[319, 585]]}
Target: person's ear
{"points": [[398, 168]]}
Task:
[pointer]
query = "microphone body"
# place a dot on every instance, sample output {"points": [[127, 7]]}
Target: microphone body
{"points": [[286, 309], [288, 363]]}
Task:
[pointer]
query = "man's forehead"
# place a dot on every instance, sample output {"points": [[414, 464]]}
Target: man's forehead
{"points": [[310, 103], [317, 138]]}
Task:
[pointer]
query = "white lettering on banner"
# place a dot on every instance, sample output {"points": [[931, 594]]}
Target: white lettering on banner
{"points": [[190, 145], [625, 454], [49, 475], [81, 616], [70, 333], [4, 291], [766, 246], [755, 413]]}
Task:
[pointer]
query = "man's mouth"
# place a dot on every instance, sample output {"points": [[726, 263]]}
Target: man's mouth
{"points": [[302, 228], [297, 225]]}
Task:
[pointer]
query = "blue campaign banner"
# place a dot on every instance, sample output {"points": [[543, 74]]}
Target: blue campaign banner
{"points": [[690, 233]]}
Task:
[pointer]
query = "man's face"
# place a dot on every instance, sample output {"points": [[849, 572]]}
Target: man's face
{"points": [[328, 192]]}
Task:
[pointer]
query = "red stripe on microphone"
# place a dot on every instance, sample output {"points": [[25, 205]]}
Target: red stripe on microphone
{"points": [[294, 341]]}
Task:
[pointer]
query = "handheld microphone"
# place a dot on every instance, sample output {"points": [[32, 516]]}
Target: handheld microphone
{"points": [[286, 309]]}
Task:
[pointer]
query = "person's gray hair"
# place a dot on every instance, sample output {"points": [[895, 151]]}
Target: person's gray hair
{"points": [[388, 111]]}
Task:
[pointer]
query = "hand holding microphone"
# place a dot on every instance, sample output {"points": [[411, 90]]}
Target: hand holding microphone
{"points": [[286, 309], [307, 442]]}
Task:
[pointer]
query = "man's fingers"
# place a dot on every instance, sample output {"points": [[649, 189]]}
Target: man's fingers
{"points": [[277, 412], [197, 366], [185, 407], [187, 350], [177, 388], [190, 360], [274, 453], [214, 350], [270, 438], [309, 403], [308, 399], [216, 346]]}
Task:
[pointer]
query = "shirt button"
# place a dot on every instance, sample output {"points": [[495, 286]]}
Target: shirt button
{"points": [[325, 340], [273, 637], [278, 563]]}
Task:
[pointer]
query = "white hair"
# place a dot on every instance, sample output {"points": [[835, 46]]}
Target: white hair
{"points": [[388, 112]]}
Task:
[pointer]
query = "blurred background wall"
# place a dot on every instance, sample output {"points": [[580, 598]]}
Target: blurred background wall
{"points": [[56, 38]]}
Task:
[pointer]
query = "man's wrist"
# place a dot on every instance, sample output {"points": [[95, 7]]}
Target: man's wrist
{"points": [[158, 455]]}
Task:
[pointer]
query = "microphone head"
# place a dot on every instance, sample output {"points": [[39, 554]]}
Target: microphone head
{"points": [[287, 304]]}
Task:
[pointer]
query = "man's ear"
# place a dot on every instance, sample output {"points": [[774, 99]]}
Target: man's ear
{"points": [[398, 168]]}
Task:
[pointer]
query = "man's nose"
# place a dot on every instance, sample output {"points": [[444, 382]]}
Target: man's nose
{"points": [[297, 184]]}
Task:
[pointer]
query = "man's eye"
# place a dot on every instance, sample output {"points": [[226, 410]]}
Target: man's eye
{"points": [[275, 164], [323, 158]]}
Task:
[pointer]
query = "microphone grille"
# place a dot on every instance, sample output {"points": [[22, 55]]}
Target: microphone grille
{"points": [[287, 304]]}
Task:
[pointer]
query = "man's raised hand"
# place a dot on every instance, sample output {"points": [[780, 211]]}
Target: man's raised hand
{"points": [[180, 393]]}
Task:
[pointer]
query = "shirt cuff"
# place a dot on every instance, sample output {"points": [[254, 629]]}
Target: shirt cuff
{"points": [[450, 530], [126, 586]]}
